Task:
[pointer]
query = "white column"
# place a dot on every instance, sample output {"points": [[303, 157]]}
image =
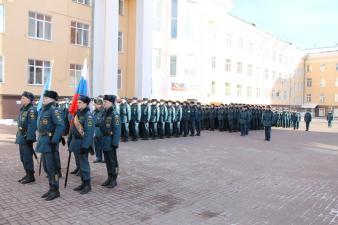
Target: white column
{"points": [[143, 48], [105, 53]]}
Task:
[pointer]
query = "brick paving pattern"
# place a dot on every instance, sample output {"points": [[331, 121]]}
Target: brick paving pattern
{"points": [[218, 178]]}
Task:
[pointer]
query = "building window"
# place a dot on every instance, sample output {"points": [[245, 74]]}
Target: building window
{"points": [[309, 82], [120, 42], [213, 87], [173, 27], [173, 65], [336, 81], [336, 63], [273, 94], [239, 90], [250, 48], [213, 62], [157, 59], [308, 68], [227, 89], [228, 41], [39, 26], [266, 74], [240, 44], [74, 74], [273, 75], [84, 2], [308, 98], [258, 92], [119, 79], [2, 19], [322, 98], [285, 95], [228, 65], [79, 34], [322, 67], [280, 77], [157, 15], [336, 97], [121, 7], [322, 82], [249, 91], [266, 92], [239, 68], [249, 70], [2, 69], [38, 71], [277, 94]]}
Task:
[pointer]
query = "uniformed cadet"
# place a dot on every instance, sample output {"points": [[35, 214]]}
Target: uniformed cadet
{"points": [[154, 117], [212, 117], [80, 141], [177, 119], [307, 119], [25, 136], [97, 116], [125, 114], [220, 117], [231, 119], [163, 113], [169, 120], [134, 119], [145, 116], [185, 119], [51, 127], [111, 130], [248, 122], [192, 118], [267, 118], [243, 120], [329, 118], [199, 119]]}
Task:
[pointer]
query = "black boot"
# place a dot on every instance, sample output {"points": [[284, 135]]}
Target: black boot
{"points": [[107, 182], [23, 178], [112, 183], [29, 179], [48, 192], [87, 187], [53, 194], [79, 188], [75, 171]]}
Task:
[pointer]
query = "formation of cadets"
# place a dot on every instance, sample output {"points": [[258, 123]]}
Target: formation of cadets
{"points": [[98, 128]]}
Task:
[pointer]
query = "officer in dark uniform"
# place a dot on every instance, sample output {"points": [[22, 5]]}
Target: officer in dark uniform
{"points": [[111, 130], [80, 141], [125, 114], [220, 117], [145, 116], [243, 120], [154, 116], [25, 136], [199, 119], [51, 127], [163, 113], [231, 119], [169, 121], [97, 116], [212, 117], [135, 117], [185, 118], [192, 118], [329, 118], [177, 119], [267, 119], [307, 119]]}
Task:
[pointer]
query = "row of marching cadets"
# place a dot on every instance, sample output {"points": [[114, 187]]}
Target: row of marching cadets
{"points": [[51, 126]]}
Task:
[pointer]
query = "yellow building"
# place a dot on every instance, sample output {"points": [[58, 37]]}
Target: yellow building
{"points": [[39, 37], [321, 81]]}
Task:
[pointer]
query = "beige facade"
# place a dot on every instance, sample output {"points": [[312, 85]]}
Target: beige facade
{"points": [[38, 32], [127, 45], [321, 81]]}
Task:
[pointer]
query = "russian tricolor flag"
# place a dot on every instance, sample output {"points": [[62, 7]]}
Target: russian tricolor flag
{"points": [[81, 89]]}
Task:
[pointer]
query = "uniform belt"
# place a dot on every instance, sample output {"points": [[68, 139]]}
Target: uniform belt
{"points": [[49, 134], [108, 134]]}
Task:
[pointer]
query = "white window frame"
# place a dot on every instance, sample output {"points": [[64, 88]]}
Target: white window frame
{"points": [[239, 90], [43, 68], [308, 82], [77, 74], [336, 81], [173, 20], [2, 70], [213, 62], [121, 7], [322, 67], [249, 70], [83, 2], [322, 82], [79, 27], [258, 92], [119, 79], [44, 21], [171, 57], [308, 98], [3, 18], [227, 65], [120, 42], [227, 90], [239, 67], [322, 98], [249, 91], [266, 74]]}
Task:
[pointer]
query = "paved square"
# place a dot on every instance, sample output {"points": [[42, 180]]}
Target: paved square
{"points": [[218, 178]]}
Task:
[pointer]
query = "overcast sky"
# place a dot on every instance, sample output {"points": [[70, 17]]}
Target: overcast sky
{"points": [[305, 23]]}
